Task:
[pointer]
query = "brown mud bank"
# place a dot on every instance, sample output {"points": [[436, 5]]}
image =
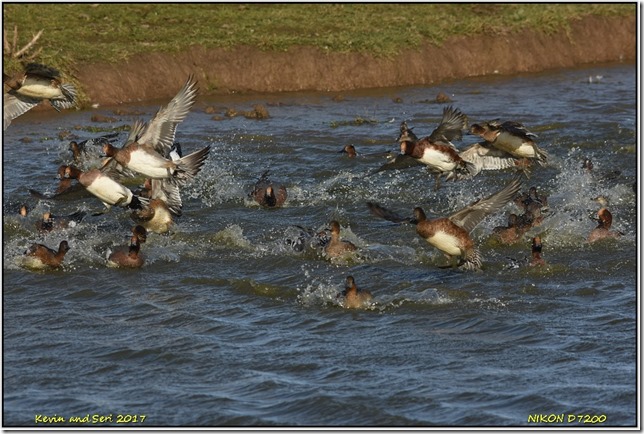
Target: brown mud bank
{"points": [[245, 69]]}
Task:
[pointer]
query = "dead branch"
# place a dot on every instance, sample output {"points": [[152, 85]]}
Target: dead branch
{"points": [[28, 46], [11, 50]]}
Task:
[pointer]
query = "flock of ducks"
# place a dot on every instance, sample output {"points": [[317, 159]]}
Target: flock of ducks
{"points": [[151, 155]]}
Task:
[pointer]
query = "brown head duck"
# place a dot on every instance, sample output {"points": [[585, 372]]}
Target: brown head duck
{"points": [[337, 247], [266, 194], [436, 150], [129, 256], [602, 231], [353, 297], [451, 235], [39, 256], [537, 260]]}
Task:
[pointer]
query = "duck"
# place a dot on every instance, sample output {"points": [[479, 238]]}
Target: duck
{"points": [[39, 256], [486, 157], [265, 194], [129, 256], [350, 150], [298, 238], [532, 197], [533, 204], [537, 260], [147, 150], [143, 159], [37, 83], [103, 186], [155, 217], [86, 154], [451, 235], [50, 222], [165, 201], [511, 233], [337, 247], [532, 216], [436, 150], [607, 175], [511, 137], [353, 297], [67, 188], [602, 231]]}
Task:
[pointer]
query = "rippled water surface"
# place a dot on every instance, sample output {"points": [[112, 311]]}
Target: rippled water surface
{"points": [[228, 325]]}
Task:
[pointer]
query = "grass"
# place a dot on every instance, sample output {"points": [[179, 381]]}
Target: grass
{"points": [[76, 34]]}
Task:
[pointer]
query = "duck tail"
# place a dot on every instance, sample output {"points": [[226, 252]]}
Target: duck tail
{"points": [[69, 100], [189, 166], [471, 168], [472, 260], [138, 202], [542, 157], [464, 170]]}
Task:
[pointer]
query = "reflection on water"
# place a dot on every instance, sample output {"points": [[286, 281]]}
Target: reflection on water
{"points": [[234, 318]]}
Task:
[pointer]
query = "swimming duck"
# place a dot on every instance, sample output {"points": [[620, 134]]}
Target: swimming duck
{"points": [[39, 256], [350, 150], [451, 235], [354, 298], [265, 195], [511, 137], [605, 219], [537, 260], [37, 83], [129, 256], [532, 197], [337, 247], [608, 175], [511, 233]]}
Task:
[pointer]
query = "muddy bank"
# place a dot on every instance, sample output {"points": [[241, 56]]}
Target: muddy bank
{"points": [[246, 69]]}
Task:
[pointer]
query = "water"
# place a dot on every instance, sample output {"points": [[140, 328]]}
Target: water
{"points": [[227, 325]]}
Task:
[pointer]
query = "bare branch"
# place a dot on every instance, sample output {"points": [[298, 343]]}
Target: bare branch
{"points": [[15, 39], [29, 45], [6, 48]]}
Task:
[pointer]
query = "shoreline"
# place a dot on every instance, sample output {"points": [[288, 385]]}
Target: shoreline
{"points": [[591, 40]]}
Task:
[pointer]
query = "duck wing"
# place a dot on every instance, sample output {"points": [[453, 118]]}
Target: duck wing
{"points": [[161, 129], [451, 126], [486, 157], [167, 191], [400, 161], [516, 128], [472, 215], [388, 214], [14, 106]]}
